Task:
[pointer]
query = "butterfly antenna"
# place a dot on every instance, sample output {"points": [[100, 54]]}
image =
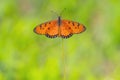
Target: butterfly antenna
{"points": [[62, 11], [54, 13], [64, 62]]}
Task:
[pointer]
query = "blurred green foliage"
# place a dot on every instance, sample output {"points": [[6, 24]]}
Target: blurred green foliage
{"points": [[92, 55]]}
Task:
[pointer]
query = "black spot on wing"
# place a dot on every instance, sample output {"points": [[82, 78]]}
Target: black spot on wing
{"points": [[45, 24], [40, 25], [48, 28], [49, 22], [69, 22], [69, 28], [76, 27], [73, 23]]}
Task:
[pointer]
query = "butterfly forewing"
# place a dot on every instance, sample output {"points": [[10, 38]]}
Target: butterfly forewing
{"points": [[50, 29], [75, 26], [40, 29]]}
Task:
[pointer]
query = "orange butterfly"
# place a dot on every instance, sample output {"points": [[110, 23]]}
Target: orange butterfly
{"points": [[59, 28]]}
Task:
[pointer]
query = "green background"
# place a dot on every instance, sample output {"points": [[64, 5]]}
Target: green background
{"points": [[91, 55]]}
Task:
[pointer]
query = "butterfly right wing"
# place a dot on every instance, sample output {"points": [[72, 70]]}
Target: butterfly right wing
{"points": [[50, 29], [68, 28], [74, 26]]}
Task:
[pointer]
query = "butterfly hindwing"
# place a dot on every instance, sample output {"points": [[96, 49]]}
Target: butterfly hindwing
{"points": [[65, 30], [52, 30]]}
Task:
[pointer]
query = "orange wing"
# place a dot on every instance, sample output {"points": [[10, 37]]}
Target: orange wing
{"points": [[68, 28], [50, 29]]}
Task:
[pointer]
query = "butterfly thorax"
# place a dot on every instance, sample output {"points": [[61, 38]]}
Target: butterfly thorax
{"points": [[59, 21]]}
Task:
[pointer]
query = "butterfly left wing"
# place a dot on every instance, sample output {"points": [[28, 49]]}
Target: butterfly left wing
{"points": [[49, 29]]}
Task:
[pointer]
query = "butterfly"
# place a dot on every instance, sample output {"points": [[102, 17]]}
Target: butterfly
{"points": [[59, 28]]}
